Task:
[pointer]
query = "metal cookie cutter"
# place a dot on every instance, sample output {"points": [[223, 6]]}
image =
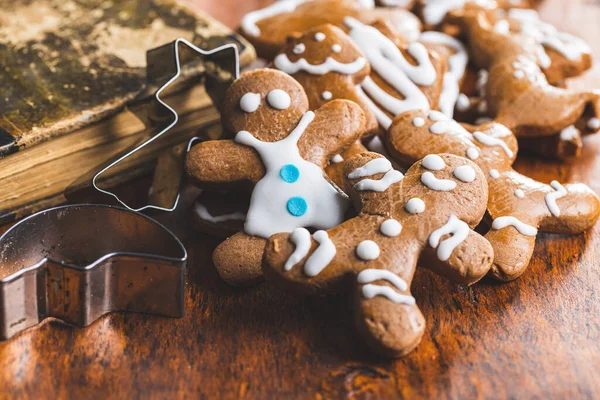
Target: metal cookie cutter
{"points": [[77, 263], [165, 61]]}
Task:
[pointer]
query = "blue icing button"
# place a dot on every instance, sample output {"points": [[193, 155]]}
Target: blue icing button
{"points": [[297, 206], [289, 173]]}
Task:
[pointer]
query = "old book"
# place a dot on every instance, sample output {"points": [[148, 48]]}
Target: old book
{"points": [[71, 72]]}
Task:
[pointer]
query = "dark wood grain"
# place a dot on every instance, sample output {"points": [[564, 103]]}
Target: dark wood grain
{"points": [[537, 337]]}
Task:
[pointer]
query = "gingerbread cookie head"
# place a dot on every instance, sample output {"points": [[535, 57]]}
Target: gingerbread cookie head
{"points": [[279, 153], [266, 102], [518, 206], [426, 216], [328, 65]]}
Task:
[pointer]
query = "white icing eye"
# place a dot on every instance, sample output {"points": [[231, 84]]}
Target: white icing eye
{"points": [[326, 95], [250, 102], [336, 48], [433, 162], [319, 36], [465, 173], [368, 250], [279, 99], [299, 48], [390, 227], [415, 206]]}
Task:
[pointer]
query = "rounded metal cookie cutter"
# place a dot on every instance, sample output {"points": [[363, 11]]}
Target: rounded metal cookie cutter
{"points": [[79, 262]]}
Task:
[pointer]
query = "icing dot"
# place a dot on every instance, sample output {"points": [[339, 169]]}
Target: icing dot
{"points": [[463, 103], [279, 99], [250, 102], [289, 173], [337, 159], [433, 162], [494, 173], [367, 250], [465, 173], [336, 48], [519, 74], [299, 48], [472, 153], [519, 193], [593, 124], [319, 36], [297, 206], [418, 122], [415, 206], [326, 95], [390, 227]]}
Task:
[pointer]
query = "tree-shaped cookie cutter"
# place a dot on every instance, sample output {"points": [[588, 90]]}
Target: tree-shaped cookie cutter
{"points": [[162, 61], [79, 262]]}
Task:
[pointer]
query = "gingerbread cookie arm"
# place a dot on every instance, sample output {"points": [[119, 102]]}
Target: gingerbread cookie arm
{"points": [[335, 127], [238, 259], [335, 169], [565, 145], [220, 163]]}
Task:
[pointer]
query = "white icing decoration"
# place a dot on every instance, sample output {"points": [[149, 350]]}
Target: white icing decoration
{"points": [[492, 141], [551, 197], [381, 116], [418, 122], [415, 206], [319, 36], [389, 63], [395, 3], [593, 124], [322, 256], [376, 166], [299, 48], [337, 159], [494, 173], [523, 228], [463, 102], [301, 239], [376, 145], [434, 11], [433, 162], [519, 193], [472, 153], [569, 133], [283, 63], [433, 183], [390, 227], [336, 48], [381, 185], [368, 250], [457, 65], [367, 3], [203, 213], [439, 128], [455, 227], [571, 47], [464, 173], [268, 214], [250, 102], [281, 7], [436, 116], [326, 95], [369, 290], [279, 99]]}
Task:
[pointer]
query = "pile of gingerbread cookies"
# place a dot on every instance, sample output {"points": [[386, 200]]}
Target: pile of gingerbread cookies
{"points": [[379, 137]]}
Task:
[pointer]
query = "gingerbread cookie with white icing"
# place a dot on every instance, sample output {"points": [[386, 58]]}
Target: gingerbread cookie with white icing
{"points": [[404, 76], [425, 217], [268, 28], [517, 93], [279, 152], [518, 207], [328, 65]]}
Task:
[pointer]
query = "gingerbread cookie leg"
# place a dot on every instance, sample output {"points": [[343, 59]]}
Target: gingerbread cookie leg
{"points": [[238, 259]]}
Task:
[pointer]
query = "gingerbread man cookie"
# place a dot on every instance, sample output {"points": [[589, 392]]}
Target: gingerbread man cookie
{"points": [[268, 28], [517, 93], [519, 207], [425, 217], [328, 65], [279, 152]]}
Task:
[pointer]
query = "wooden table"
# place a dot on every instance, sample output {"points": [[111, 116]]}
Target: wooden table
{"points": [[538, 337]]}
